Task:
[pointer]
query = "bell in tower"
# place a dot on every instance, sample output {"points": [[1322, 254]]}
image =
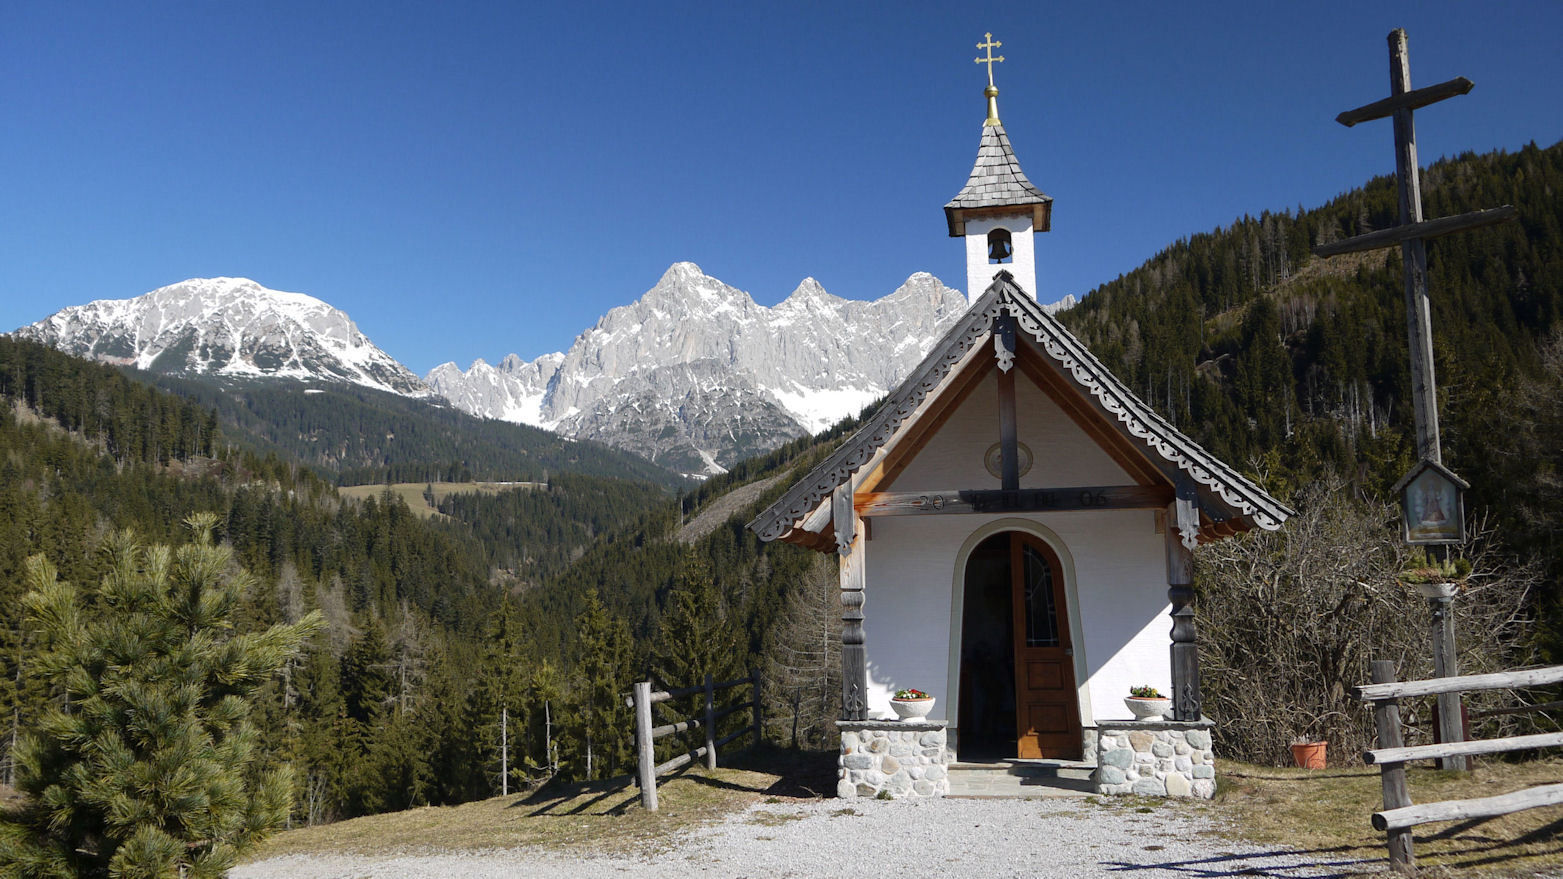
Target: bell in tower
{"points": [[999, 247]]}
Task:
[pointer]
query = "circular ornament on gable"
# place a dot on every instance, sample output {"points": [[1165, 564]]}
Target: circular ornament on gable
{"points": [[993, 459]]}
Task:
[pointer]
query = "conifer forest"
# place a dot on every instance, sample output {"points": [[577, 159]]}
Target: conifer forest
{"points": [[410, 657]]}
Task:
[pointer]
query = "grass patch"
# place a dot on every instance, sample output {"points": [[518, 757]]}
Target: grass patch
{"points": [[1326, 812], [412, 492], [595, 816]]}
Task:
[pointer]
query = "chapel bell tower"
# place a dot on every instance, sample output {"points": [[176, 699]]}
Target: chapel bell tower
{"points": [[999, 210]]}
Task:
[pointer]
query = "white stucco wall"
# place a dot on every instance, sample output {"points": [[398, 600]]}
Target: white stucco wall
{"points": [[1023, 264], [1114, 563]]}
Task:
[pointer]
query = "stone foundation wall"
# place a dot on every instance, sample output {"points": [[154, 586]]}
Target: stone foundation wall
{"points": [[902, 759], [1156, 758]]}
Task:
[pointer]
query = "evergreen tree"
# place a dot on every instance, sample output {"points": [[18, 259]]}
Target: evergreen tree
{"points": [[147, 766], [602, 731], [696, 637]]}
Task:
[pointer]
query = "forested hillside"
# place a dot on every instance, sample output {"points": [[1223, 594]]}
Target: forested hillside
{"points": [[360, 436], [1284, 364], [1255, 347]]}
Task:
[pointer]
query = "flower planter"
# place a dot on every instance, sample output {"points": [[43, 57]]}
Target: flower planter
{"points": [[912, 709], [1144, 708], [1309, 755]]}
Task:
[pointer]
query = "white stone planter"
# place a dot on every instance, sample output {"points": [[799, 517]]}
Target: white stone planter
{"points": [[1437, 590], [1148, 709], [912, 709]]}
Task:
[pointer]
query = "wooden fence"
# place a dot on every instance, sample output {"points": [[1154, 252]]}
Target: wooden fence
{"points": [[1392, 755], [646, 735]]}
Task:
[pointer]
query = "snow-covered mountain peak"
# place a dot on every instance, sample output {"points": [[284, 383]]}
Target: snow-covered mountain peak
{"points": [[808, 296], [226, 326], [921, 287]]}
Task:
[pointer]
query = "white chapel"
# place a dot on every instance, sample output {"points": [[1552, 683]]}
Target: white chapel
{"points": [[1015, 530]]}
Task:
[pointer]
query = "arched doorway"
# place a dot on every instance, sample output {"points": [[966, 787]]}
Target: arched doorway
{"points": [[1017, 681]]}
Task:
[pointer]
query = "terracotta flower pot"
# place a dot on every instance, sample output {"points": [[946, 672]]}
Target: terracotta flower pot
{"points": [[1309, 755]]}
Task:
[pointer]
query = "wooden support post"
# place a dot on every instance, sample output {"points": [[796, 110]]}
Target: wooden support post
{"points": [[645, 758], [1446, 664], [1413, 254], [504, 750], [710, 722], [1386, 722], [854, 657], [754, 689], [1181, 532]]}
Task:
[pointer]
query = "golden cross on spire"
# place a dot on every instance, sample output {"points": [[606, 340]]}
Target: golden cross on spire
{"points": [[990, 45]]}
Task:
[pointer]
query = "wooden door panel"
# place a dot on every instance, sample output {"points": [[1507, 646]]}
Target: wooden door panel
{"points": [[1046, 719], [1048, 710], [1047, 674]]}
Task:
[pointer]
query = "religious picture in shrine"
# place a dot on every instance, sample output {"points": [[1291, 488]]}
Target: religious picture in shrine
{"points": [[1431, 505]]}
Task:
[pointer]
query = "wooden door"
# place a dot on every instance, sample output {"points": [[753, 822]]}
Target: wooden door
{"points": [[1047, 710]]}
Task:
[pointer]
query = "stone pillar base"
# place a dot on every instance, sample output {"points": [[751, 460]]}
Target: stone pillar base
{"points": [[1155, 758], [898, 758]]}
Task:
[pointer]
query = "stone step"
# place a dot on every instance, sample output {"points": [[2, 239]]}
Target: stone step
{"points": [[1021, 778]]}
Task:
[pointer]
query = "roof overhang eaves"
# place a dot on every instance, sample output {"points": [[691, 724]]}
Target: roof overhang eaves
{"points": [[1041, 212]]}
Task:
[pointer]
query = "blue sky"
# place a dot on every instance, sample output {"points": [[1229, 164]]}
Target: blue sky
{"points": [[474, 179]]}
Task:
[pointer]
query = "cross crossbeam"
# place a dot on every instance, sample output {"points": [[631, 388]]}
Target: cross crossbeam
{"points": [[990, 45], [1424, 230], [1411, 100]]}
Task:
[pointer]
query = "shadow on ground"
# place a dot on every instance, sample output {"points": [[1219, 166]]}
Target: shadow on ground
{"points": [[768, 772]]}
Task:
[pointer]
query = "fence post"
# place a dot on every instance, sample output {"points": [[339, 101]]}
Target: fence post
{"points": [[647, 759], [1392, 776], [754, 685], [710, 723]]}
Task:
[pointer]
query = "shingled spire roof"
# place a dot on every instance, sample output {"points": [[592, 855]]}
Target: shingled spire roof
{"points": [[997, 186]]}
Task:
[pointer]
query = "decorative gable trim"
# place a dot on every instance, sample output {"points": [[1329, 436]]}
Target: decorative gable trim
{"points": [[1140, 420], [835, 470], [1134, 417]]}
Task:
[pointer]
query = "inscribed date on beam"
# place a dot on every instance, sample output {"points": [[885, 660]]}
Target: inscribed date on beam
{"points": [[1095, 497]]}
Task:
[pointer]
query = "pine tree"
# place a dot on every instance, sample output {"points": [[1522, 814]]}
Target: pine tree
{"points": [[696, 637], [147, 766], [601, 730]]}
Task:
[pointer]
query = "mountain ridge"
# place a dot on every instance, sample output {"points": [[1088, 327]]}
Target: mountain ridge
{"points": [[713, 376]]}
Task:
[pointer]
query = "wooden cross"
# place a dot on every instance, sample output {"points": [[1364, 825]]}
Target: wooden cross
{"points": [[990, 45], [1412, 235], [1413, 231]]}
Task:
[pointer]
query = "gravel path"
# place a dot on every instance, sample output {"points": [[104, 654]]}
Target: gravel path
{"points": [[835, 838]]}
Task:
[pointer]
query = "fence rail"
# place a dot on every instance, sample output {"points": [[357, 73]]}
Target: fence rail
{"points": [[1399, 814], [646, 735]]}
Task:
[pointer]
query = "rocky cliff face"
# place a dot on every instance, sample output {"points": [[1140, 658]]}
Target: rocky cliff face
{"points": [[695, 375]]}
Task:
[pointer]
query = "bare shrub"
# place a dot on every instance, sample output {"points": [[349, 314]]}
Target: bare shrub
{"points": [[1288, 621]]}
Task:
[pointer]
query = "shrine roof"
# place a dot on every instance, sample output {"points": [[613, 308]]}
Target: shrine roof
{"points": [[1228, 502]]}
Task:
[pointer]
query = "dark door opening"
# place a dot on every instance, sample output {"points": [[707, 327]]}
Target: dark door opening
{"points": [[1014, 621], [987, 709]]}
